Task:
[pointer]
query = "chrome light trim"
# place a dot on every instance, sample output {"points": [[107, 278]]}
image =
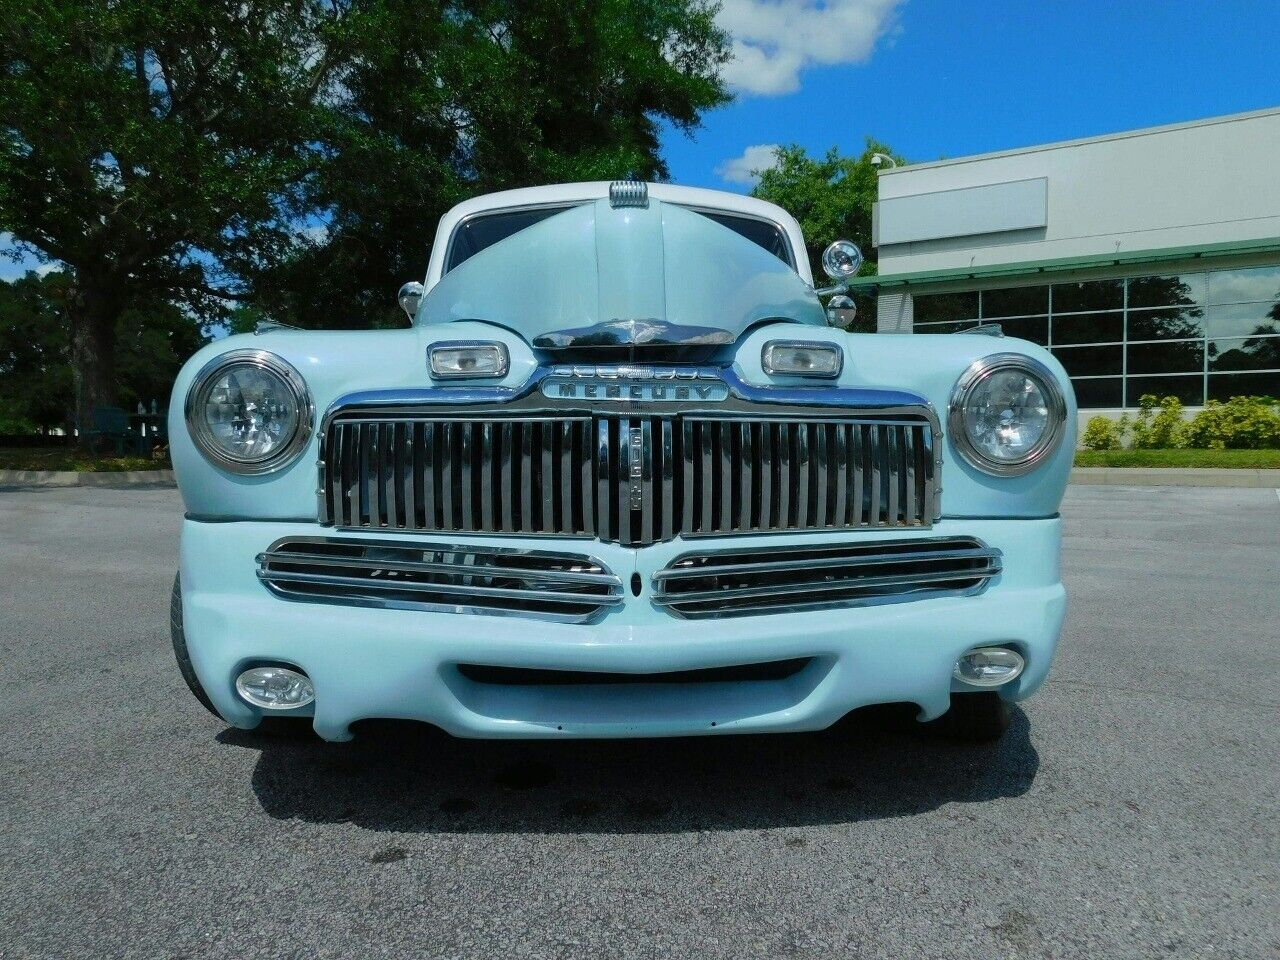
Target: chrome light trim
{"points": [[198, 395], [767, 362], [504, 356], [978, 372]]}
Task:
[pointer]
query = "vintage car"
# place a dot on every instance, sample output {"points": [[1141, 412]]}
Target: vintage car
{"points": [[624, 476]]}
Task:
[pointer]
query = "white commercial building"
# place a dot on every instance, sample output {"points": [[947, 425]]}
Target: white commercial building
{"points": [[1147, 261]]}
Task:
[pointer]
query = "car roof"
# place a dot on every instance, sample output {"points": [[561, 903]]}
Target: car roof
{"points": [[693, 197]]}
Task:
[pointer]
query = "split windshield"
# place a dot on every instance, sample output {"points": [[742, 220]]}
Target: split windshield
{"points": [[483, 231]]}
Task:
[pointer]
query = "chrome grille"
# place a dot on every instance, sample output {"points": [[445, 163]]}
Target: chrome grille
{"points": [[785, 579], [629, 479], [427, 576]]}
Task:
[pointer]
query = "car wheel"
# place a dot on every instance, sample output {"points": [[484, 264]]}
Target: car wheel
{"points": [[977, 717], [179, 638]]}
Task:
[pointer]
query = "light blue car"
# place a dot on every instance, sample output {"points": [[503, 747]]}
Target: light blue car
{"points": [[624, 476]]}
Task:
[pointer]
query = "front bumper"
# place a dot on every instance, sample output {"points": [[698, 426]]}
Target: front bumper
{"points": [[386, 663]]}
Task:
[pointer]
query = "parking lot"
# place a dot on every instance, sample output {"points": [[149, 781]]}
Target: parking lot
{"points": [[1131, 812]]}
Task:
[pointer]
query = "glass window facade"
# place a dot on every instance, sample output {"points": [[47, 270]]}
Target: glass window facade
{"points": [[1196, 336]]}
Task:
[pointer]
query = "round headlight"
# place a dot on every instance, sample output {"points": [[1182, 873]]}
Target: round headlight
{"points": [[1007, 413], [249, 412]]}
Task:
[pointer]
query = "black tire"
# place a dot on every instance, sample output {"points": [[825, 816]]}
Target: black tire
{"points": [[180, 648], [976, 717]]}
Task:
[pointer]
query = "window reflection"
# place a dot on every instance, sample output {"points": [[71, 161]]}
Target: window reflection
{"points": [[1187, 389], [1090, 295], [1181, 291], [1186, 356], [936, 307], [1014, 302], [1244, 286], [1176, 323], [1224, 386], [1103, 392], [1251, 353], [1091, 361], [1089, 328], [1174, 328]]}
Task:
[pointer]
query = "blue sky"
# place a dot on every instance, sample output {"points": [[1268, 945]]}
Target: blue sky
{"points": [[937, 78]]}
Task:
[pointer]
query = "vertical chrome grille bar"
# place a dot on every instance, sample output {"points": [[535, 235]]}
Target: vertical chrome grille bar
{"points": [[892, 471], [623, 491], [857, 466], [444, 431], [910, 510], [708, 477], [784, 476], [548, 479], [726, 477], [766, 475], [646, 480], [567, 479], [821, 454], [375, 474], [588, 477], [487, 491], [746, 473], [874, 434], [466, 455], [333, 494], [840, 467], [526, 477], [430, 438], [603, 500], [388, 473], [505, 492], [687, 453], [803, 498], [667, 472]]}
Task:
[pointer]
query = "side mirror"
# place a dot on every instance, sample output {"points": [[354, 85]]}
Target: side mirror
{"points": [[410, 298], [841, 311]]}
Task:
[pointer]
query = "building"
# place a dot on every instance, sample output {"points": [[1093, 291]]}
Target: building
{"points": [[1147, 261]]}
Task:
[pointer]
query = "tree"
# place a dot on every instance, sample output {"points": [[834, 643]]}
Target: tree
{"points": [[443, 104], [157, 148], [832, 197], [36, 383]]}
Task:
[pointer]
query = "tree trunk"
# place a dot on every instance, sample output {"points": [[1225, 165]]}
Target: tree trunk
{"points": [[94, 310]]}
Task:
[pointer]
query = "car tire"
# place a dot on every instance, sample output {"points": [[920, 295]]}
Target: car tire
{"points": [[179, 637], [975, 717]]}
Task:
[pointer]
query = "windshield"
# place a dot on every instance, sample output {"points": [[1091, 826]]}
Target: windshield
{"points": [[483, 231]]}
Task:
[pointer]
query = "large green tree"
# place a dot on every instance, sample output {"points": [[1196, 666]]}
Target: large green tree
{"points": [[444, 101], [156, 148]]}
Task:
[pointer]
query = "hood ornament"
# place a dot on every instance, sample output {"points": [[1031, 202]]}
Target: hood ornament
{"points": [[633, 333]]}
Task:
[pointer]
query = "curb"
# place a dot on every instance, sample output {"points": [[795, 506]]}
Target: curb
{"points": [[72, 478], [1175, 477]]}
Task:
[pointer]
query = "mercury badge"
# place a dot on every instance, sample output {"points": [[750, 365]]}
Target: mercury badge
{"points": [[636, 384]]}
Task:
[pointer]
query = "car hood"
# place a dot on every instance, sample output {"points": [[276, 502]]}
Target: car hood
{"points": [[599, 276]]}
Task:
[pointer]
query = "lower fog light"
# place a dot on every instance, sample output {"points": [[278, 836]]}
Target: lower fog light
{"points": [[989, 667], [275, 688]]}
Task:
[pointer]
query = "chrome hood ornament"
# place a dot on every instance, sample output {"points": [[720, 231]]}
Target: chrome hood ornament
{"points": [[633, 333]]}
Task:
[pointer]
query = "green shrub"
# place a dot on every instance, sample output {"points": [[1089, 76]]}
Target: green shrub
{"points": [[1162, 430], [1242, 423], [1101, 433]]}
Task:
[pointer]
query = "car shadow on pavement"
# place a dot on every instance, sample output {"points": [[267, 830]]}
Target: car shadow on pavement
{"points": [[411, 778]]}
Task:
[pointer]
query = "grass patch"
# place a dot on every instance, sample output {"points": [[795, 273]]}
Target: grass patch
{"points": [[1222, 459], [68, 458]]}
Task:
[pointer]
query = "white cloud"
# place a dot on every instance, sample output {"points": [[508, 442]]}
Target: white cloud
{"points": [[746, 169], [54, 266], [773, 40]]}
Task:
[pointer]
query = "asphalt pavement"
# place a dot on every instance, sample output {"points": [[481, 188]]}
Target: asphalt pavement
{"points": [[1131, 811]]}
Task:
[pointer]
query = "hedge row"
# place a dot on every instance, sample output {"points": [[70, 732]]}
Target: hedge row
{"points": [[1242, 423]]}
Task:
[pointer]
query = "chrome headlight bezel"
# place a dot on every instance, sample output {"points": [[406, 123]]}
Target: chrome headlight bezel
{"points": [[198, 397], [977, 373]]}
